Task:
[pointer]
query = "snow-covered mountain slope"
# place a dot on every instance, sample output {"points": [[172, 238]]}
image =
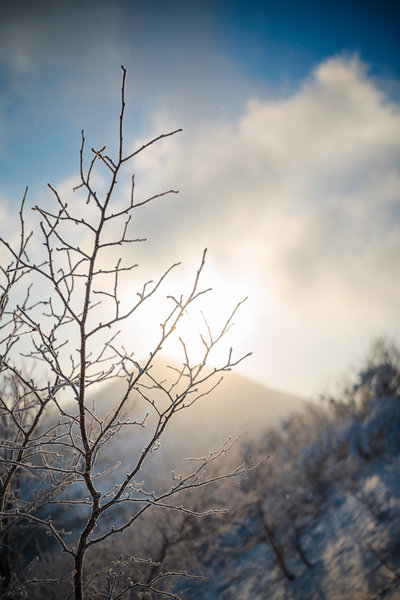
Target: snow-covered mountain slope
{"points": [[353, 549]]}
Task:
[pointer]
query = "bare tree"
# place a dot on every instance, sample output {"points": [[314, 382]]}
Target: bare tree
{"points": [[52, 432]]}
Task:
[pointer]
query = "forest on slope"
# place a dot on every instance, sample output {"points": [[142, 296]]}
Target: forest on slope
{"points": [[321, 517]]}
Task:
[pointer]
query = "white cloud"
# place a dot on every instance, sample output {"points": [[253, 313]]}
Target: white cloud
{"points": [[299, 197]]}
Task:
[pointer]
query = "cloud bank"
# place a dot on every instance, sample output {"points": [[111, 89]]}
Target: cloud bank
{"points": [[298, 200]]}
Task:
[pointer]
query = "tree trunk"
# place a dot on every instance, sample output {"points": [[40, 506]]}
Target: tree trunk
{"points": [[78, 577], [274, 544]]}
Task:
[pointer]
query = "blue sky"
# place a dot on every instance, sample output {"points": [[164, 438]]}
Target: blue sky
{"points": [[296, 34], [291, 148]]}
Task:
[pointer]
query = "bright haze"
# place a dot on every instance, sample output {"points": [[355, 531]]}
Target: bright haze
{"points": [[287, 166]]}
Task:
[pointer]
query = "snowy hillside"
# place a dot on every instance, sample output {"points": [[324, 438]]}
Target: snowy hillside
{"points": [[352, 548], [321, 519]]}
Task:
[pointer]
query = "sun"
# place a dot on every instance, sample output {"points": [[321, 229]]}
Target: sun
{"points": [[202, 323]]}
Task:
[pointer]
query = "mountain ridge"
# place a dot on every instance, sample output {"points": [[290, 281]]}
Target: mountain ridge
{"points": [[238, 405]]}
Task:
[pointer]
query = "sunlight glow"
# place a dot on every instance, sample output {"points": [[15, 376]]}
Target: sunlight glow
{"points": [[211, 309]]}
